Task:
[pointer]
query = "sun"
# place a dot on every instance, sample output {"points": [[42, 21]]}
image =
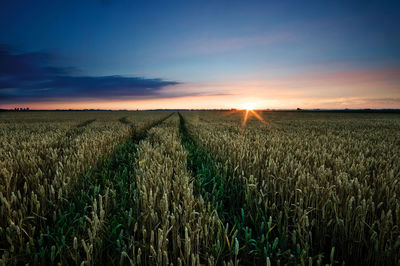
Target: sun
{"points": [[249, 106]]}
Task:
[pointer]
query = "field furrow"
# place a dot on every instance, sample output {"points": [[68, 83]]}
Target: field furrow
{"points": [[175, 226]]}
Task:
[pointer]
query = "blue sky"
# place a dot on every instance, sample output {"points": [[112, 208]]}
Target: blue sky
{"points": [[201, 49]]}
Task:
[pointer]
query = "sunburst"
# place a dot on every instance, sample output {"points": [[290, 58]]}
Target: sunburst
{"points": [[248, 109]]}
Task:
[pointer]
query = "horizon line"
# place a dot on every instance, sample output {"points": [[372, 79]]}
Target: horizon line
{"points": [[18, 109]]}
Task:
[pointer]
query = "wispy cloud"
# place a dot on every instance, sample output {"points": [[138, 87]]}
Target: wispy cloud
{"points": [[30, 77], [352, 102]]}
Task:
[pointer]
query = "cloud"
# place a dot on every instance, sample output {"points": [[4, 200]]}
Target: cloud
{"points": [[351, 102], [30, 77]]}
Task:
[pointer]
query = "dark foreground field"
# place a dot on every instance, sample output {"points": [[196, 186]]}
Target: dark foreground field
{"points": [[199, 187]]}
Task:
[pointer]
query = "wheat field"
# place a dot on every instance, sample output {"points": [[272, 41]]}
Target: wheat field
{"points": [[199, 188]]}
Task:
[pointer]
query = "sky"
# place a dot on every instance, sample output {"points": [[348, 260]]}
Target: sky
{"points": [[111, 54]]}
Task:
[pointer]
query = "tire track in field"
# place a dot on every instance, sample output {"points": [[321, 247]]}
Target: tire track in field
{"points": [[71, 135], [66, 142], [124, 120], [211, 183], [78, 129], [51, 154], [229, 196], [89, 223], [50, 163]]}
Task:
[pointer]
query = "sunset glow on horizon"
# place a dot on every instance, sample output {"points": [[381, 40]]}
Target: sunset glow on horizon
{"points": [[111, 55]]}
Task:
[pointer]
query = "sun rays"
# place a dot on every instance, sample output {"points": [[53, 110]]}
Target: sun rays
{"points": [[249, 112], [248, 109]]}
